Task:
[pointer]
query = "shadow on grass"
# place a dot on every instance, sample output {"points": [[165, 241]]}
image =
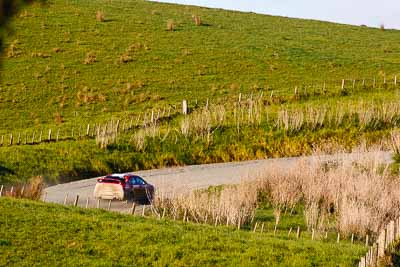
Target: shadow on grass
{"points": [[5, 171]]}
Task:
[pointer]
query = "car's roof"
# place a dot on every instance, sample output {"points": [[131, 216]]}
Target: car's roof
{"points": [[122, 175]]}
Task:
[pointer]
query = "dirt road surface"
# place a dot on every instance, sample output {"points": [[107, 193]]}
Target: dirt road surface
{"points": [[185, 179]]}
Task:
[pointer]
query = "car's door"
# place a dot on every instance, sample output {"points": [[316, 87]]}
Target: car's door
{"points": [[138, 188], [142, 194]]}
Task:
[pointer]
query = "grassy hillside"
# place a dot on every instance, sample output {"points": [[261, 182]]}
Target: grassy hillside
{"points": [[63, 68], [45, 71], [34, 233]]}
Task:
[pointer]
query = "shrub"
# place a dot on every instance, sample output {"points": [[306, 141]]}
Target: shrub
{"points": [[32, 190]]}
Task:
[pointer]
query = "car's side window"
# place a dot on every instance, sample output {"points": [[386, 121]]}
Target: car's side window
{"points": [[137, 181], [140, 181]]}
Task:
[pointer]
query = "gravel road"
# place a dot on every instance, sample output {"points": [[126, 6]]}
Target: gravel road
{"points": [[185, 179]]}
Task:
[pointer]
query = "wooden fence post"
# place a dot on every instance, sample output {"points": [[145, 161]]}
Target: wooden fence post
{"points": [[143, 210], [26, 138], [381, 242], [298, 232], [65, 199], [40, 136], [184, 107], [290, 231], [117, 126], [88, 129], [185, 213], [163, 213], [352, 238], [338, 238], [72, 133], [58, 134], [2, 140], [367, 240], [133, 208], [123, 125], [33, 138], [109, 205], [398, 228], [49, 137], [1, 190], [262, 227], [98, 203], [312, 234], [87, 202], [395, 80], [343, 84], [11, 139], [76, 200], [19, 139], [255, 227]]}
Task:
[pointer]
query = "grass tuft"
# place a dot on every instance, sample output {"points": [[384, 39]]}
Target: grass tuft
{"points": [[100, 17], [171, 26]]}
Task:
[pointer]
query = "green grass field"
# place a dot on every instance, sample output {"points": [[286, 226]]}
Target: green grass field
{"points": [[134, 65], [38, 234]]}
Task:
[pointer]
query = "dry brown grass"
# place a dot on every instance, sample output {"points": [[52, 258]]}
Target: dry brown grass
{"points": [[100, 17], [31, 190], [107, 134], [171, 26], [352, 197], [197, 20], [13, 50], [231, 205], [90, 58], [368, 116], [58, 118]]}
